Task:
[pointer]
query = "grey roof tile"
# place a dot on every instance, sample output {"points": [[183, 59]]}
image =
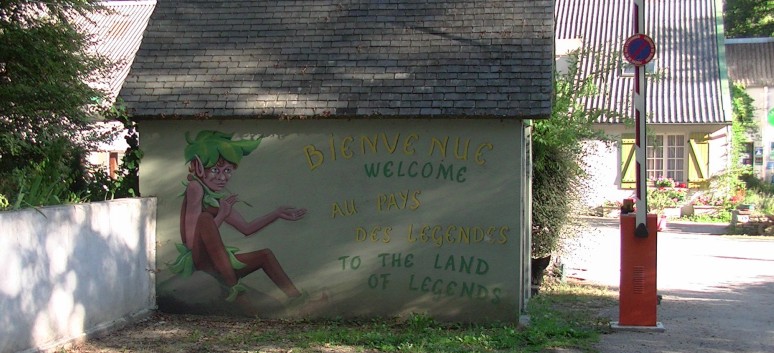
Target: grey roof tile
{"points": [[305, 57], [686, 38]]}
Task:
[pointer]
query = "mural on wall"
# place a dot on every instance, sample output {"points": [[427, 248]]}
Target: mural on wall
{"points": [[212, 158], [386, 218]]}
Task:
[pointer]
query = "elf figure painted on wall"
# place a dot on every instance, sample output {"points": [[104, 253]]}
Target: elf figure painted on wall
{"points": [[212, 158]]}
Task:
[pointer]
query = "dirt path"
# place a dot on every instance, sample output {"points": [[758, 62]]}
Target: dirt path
{"points": [[718, 291]]}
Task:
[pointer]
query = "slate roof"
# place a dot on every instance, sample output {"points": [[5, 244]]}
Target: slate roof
{"points": [[693, 88], [344, 58], [751, 61], [117, 35]]}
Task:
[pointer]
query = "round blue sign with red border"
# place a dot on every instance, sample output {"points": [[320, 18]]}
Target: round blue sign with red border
{"points": [[639, 49]]}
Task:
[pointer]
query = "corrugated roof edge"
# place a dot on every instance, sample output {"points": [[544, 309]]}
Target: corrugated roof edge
{"points": [[204, 116], [725, 87], [758, 40]]}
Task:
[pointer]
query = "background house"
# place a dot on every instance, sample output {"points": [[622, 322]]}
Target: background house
{"points": [[751, 63], [688, 107], [116, 35], [398, 125]]}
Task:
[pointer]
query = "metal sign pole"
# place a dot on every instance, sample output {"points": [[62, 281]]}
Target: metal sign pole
{"points": [[638, 298], [640, 123]]}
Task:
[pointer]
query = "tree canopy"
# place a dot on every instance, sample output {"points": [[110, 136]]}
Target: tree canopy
{"points": [[48, 100], [749, 18], [45, 65]]}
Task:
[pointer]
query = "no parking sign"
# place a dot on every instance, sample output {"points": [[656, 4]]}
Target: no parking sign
{"points": [[639, 49]]}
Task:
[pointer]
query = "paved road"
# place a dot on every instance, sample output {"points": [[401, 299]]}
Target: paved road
{"points": [[718, 291]]}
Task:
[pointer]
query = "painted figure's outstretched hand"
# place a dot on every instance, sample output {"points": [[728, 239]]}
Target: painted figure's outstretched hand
{"points": [[226, 205], [290, 213], [248, 228]]}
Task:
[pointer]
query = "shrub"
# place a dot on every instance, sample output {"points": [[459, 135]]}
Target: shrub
{"points": [[762, 202], [48, 182], [56, 172], [551, 199], [754, 184], [659, 199], [709, 200]]}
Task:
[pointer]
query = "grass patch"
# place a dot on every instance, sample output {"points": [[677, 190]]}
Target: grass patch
{"points": [[564, 315], [568, 314], [723, 216]]}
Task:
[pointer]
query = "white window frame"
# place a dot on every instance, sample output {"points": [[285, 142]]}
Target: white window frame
{"points": [[667, 159]]}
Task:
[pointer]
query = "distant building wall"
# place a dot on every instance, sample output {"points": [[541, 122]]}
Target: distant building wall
{"points": [[763, 102], [750, 64], [75, 269]]}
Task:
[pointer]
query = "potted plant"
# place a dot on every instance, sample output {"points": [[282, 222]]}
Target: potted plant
{"points": [[663, 200], [663, 183]]}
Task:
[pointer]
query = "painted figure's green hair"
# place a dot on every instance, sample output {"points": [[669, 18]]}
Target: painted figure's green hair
{"points": [[210, 145]]}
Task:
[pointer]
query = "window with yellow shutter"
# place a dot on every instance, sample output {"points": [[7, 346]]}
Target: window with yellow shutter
{"points": [[698, 159], [685, 160], [628, 162]]}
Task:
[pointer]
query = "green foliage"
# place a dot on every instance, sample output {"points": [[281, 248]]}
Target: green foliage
{"points": [[44, 70], [722, 216], [743, 109], [48, 108], [729, 183], [126, 182], [760, 194], [46, 105], [763, 203], [726, 188], [63, 176], [50, 182], [420, 334], [559, 178], [756, 185], [210, 146], [743, 126], [749, 18]]}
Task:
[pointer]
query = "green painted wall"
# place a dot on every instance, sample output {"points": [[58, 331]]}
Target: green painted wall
{"points": [[401, 216]]}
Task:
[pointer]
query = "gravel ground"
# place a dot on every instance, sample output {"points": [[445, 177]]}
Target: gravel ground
{"points": [[718, 291], [168, 333]]}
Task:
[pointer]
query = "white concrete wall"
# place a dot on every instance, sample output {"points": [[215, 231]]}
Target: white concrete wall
{"points": [[72, 270], [603, 164]]}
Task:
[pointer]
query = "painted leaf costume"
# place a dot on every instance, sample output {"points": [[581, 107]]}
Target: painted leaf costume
{"points": [[212, 156], [210, 146]]}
